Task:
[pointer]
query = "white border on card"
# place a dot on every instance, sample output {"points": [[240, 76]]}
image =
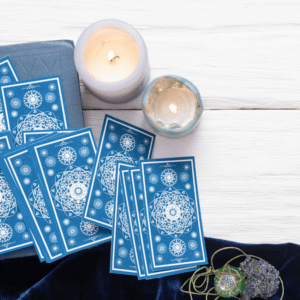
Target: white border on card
{"points": [[28, 83], [28, 204], [49, 193], [11, 68], [131, 226], [98, 160], [197, 206], [113, 242], [149, 274]]}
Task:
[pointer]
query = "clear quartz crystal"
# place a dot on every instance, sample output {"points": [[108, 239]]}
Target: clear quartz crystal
{"points": [[171, 104]]}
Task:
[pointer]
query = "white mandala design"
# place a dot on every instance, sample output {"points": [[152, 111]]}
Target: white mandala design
{"points": [[5, 79], [10, 94], [109, 209], [47, 228], [143, 221], [119, 262], [15, 103], [84, 141], [8, 202], [153, 178], [88, 228], [70, 190], [113, 137], [50, 97], [84, 151], [2, 146], [36, 200], [141, 149], [132, 256], [98, 203], [177, 247], [192, 244], [52, 87], [6, 232], [123, 221], [67, 155], [72, 242], [172, 212], [123, 252], [168, 177], [25, 170], [55, 248], [50, 161], [161, 248], [184, 176], [53, 238], [127, 142], [35, 120], [26, 236], [33, 99], [72, 231], [20, 227], [107, 170], [14, 114], [4, 70]]}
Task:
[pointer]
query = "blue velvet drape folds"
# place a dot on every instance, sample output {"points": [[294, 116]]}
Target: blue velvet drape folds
{"points": [[85, 275]]}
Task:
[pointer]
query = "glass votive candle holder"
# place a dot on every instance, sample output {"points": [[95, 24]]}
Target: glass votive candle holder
{"points": [[172, 105]]}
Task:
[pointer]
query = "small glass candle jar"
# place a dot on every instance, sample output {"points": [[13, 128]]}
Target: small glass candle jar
{"points": [[172, 106], [111, 58]]}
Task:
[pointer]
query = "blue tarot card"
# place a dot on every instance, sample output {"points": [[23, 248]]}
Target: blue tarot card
{"points": [[14, 234], [31, 201], [119, 141], [8, 75], [30, 136], [64, 168], [172, 212], [141, 239], [36, 105], [132, 222], [122, 253]]}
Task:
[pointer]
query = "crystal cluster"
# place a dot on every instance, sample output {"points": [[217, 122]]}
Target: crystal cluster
{"points": [[262, 279]]}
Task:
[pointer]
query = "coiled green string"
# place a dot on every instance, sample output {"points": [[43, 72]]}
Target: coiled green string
{"points": [[205, 272]]}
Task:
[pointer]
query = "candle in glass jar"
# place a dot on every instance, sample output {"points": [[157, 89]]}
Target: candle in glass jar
{"points": [[111, 58], [172, 106]]}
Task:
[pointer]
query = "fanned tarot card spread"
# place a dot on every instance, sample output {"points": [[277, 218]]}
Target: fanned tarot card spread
{"points": [[132, 222], [30, 136], [64, 168], [122, 253], [35, 105], [14, 234], [31, 201], [141, 242], [119, 141], [8, 74], [172, 212]]}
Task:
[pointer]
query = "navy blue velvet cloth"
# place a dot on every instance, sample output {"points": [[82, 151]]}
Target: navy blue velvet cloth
{"points": [[85, 275]]}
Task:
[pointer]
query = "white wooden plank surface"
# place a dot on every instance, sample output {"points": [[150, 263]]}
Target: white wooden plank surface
{"points": [[248, 170], [240, 54]]}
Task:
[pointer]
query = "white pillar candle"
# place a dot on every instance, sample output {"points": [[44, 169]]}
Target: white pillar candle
{"points": [[112, 60]]}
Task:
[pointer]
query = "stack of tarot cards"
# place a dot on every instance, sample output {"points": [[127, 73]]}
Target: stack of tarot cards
{"points": [[61, 194], [151, 206]]}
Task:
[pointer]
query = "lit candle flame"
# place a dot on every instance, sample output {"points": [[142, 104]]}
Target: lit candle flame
{"points": [[173, 108], [111, 54]]}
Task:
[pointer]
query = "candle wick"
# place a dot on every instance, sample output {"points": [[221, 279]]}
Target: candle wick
{"points": [[114, 58]]}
